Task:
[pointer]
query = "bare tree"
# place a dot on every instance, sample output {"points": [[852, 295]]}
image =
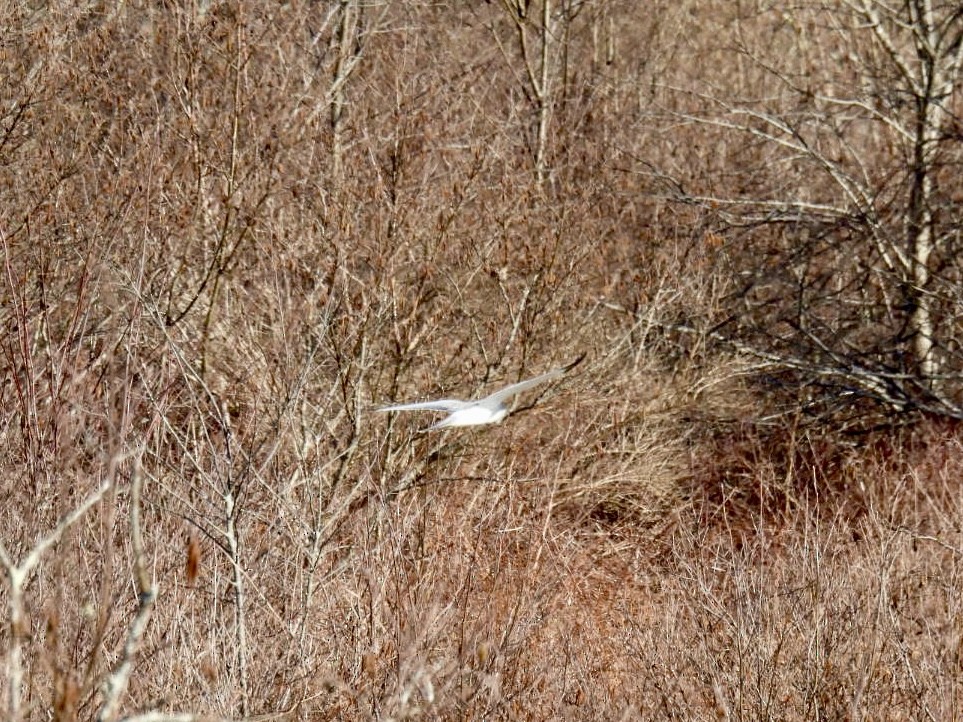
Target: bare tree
{"points": [[17, 574], [347, 44], [923, 42], [537, 54], [537, 66], [843, 177]]}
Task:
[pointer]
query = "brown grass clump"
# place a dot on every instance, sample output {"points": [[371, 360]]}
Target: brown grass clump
{"points": [[231, 230]]}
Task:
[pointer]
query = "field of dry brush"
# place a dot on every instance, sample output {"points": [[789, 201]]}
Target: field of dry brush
{"points": [[231, 230]]}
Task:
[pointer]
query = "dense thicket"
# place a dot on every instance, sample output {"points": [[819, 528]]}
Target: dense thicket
{"points": [[230, 229]]}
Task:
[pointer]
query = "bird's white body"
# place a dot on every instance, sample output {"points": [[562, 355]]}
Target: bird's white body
{"points": [[489, 410], [473, 416]]}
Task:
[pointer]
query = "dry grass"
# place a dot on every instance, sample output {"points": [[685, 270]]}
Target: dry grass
{"points": [[208, 283]]}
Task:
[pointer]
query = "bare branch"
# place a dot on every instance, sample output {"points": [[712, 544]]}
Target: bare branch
{"points": [[868, 10], [116, 684]]}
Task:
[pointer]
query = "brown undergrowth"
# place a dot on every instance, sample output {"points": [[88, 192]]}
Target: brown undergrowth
{"points": [[231, 230]]}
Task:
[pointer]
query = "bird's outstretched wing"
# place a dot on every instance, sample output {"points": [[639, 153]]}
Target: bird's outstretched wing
{"points": [[499, 397], [448, 405], [506, 393]]}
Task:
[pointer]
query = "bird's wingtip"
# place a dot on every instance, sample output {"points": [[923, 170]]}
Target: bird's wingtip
{"points": [[575, 363]]}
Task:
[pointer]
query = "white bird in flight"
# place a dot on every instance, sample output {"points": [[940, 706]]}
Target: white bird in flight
{"points": [[489, 410]]}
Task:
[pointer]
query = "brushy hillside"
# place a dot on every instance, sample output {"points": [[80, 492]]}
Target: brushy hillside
{"points": [[230, 230]]}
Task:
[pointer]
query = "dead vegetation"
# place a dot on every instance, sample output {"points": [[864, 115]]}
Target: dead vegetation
{"points": [[230, 230]]}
